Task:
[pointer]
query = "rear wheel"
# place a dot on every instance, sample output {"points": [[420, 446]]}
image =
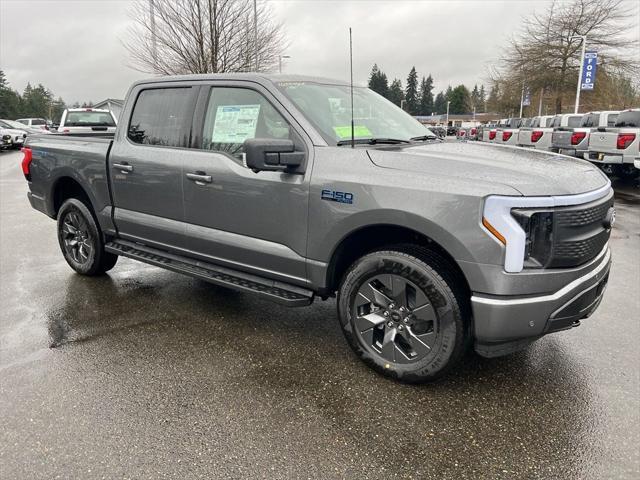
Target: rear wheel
{"points": [[81, 241], [403, 313]]}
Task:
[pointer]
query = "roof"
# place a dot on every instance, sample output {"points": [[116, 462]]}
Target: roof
{"points": [[113, 101], [250, 77]]}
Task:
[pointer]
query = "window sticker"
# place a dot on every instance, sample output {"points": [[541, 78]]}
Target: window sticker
{"points": [[235, 123], [358, 131]]}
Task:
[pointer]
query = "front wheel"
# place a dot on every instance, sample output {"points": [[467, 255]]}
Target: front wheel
{"points": [[403, 313], [81, 241]]}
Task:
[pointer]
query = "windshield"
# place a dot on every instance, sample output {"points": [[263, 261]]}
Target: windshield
{"points": [[328, 107], [590, 120], [12, 124], [89, 119]]}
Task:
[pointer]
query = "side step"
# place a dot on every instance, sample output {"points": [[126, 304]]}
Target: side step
{"points": [[279, 292]]}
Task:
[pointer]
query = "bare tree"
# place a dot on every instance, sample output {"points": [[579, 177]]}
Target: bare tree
{"points": [[203, 36], [546, 54]]}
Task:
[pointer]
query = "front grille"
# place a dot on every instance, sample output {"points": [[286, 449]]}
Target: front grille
{"points": [[579, 233]]}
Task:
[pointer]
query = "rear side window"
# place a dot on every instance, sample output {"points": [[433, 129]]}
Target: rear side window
{"points": [[38, 121], [87, 119], [590, 120], [237, 114], [161, 117], [628, 119]]}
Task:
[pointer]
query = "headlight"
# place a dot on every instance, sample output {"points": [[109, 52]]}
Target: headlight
{"points": [[538, 229]]}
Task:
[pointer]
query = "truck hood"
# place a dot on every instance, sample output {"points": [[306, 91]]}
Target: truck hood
{"points": [[532, 173]]}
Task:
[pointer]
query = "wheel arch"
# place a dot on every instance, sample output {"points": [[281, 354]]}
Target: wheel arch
{"points": [[365, 239], [66, 187]]}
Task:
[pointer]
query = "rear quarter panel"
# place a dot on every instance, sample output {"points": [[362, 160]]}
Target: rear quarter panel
{"points": [[56, 157]]}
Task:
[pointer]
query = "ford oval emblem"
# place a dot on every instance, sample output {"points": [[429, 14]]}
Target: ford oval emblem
{"points": [[609, 218]]}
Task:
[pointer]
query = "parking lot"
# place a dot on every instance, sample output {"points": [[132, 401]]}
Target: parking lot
{"points": [[149, 374]]}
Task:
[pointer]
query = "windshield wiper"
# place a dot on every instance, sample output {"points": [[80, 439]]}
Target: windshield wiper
{"points": [[424, 137], [372, 141]]}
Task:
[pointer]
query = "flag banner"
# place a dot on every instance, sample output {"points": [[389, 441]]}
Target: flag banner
{"points": [[589, 68]]}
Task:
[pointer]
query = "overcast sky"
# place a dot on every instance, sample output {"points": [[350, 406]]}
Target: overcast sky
{"points": [[73, 47]]}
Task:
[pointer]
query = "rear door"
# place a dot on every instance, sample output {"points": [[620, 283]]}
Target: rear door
{"points": [[146, 165], [256, 222]]}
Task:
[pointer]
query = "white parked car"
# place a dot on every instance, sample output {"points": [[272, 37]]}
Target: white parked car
{"points": [[40, 123], [575, 141], [91, 121], [16, 137], [616, 148]]}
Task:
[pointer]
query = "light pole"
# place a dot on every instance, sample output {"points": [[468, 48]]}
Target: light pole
{"points": [[402, 102], [447, 123], [280, 62], [255, 32], [584, 47]]}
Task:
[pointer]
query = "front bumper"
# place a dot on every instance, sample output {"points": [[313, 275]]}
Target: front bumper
{"points": [[505, 323]]}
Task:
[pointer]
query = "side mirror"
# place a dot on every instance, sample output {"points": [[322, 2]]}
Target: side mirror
{"points": [[272, 154]]}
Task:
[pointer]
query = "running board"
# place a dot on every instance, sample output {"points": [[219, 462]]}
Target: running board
{"points": [[278, 292]]}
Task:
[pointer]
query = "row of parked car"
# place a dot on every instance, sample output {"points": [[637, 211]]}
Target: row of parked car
{"points": [[76, 121], [610, 139]]}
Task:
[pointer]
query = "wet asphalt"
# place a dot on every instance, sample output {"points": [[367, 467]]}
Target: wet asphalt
{"points": [[149, 374]]}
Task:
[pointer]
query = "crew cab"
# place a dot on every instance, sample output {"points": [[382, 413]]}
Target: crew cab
{"points": [[268, 185], [91, 121], [574, 141], [616, 148]]}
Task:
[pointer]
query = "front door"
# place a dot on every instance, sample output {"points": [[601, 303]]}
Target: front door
{"points": [[256, 222], [146, 167]]}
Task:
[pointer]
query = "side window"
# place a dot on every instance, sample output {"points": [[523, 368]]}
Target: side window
{"points": [[611, 121], [234, 115], [159, 117]]}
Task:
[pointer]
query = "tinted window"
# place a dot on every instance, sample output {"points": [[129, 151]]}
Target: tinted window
{"points": [[88, 119], [237, 114], [590, 120], [38, 121], [161, 117], [611, 120], [556, 121], [628, 119], [574, 121]]}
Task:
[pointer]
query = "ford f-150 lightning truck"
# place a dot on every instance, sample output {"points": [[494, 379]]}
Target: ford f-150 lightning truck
{"points": [[262, 183]]}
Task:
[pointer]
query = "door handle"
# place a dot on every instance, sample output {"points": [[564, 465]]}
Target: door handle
{"points": [[200, 178], [123, 167]]}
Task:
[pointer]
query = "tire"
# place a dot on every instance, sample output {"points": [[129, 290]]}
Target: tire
{"points": [[81, 240], [404, 312]]}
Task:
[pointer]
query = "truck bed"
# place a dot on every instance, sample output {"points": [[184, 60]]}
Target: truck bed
{"points": [[83, 159]]}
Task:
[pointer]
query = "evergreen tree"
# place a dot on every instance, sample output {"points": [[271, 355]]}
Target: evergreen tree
{"points": [[36, 101], [396, 95], [411, 95], [378, 81], [426, 96], [9, 99], [482, 97], [460, 99], [440, 104], [475, 98]]}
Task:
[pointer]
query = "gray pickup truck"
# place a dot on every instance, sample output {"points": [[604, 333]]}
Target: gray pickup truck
{"points": [[262, 183]]}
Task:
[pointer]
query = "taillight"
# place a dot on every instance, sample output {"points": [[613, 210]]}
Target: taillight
{"points": [[26, 162], [474, 131], [536, 135], [492, 134], [624, 140], [506, 136], [65, 130], [577, 137]]}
